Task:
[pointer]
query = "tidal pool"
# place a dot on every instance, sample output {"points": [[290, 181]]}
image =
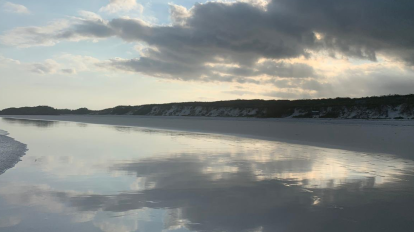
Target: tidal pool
{"points": [[87, 177]]}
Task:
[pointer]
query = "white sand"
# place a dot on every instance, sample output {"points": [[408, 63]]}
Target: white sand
{"points": [[371, 136]]}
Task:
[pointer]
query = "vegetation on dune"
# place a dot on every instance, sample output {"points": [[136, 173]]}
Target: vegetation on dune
{"points": [[79, 111], [38, 110], [332, 107]]}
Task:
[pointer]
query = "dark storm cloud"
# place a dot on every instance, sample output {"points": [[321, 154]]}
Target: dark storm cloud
{"points": [[358, 28], [241, 33], [184, 71], [173, 70], [282, 69], [88, 28]]}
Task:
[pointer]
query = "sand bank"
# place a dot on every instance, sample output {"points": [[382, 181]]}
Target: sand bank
{"points": [[10, 151]]}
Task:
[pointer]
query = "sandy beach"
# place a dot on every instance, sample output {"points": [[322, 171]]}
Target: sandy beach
{"points": [[88, 175], [371, 136]]}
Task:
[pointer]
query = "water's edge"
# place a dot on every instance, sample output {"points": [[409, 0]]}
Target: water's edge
{"points": [[10, 151], [393, 138]]}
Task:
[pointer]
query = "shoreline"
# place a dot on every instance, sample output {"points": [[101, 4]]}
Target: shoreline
{"points": [[11, 151], [393, 137]]}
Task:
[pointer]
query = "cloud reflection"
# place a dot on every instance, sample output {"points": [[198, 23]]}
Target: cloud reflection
{"points": [[196, 182], [240, 201], [26, 122]]}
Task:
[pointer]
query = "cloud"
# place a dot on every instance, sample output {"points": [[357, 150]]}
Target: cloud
{"points": [[89, 27], [78, 62], [51, 66], [4, 60], [24, 37], [242, 33], [64, 64], [90, 15], [373, 80], [239, 92], [116, 6], [282, 69], [288, 95], [178, 14], [15, 8], [47, 67], [359, 81], [68, 71], [259, 42]]}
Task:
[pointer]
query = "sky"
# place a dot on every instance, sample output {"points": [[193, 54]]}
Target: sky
{"points": [[103, 53]]}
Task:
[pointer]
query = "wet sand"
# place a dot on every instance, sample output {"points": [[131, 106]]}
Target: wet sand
{"points": [[88, 177], [371, 136]]}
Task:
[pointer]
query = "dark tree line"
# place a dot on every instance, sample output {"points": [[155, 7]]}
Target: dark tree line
{"points": [[272, 108]]}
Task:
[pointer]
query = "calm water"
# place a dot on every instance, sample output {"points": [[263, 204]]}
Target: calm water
{"points": [[84, 177]]}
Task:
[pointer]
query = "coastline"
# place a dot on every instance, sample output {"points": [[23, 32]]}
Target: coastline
{"points": [[395, 137], [11, 151]]}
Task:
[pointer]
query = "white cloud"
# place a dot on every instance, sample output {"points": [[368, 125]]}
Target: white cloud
{"points": [[47, 67], [15, 8], [80, 63], [65, 64], [178, 14], [90, 15], [7, 61], [116, 6], [57, 31], [24, 37]]}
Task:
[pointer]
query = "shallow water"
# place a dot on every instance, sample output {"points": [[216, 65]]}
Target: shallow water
{"points": [[86, 177]]}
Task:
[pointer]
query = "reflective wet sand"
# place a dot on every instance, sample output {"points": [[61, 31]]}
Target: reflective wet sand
{"points": [[85, 177]]}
